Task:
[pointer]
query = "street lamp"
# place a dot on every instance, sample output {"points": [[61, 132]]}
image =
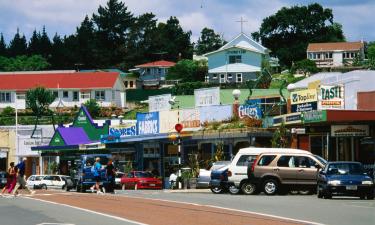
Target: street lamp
{"points": [[236, 94]]}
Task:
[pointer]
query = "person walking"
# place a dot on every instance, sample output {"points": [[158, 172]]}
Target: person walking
{"points": [[96, 171], [110, 174], [11, 179], [21, 182]]}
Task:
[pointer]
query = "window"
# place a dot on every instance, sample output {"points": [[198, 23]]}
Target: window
{"points": [[159, 70], [131, 83], [100, 95], [75, 96], [21, 96], [352, 55], [65, 94], [222, 78], [239, 78], [245, 160], [113, 95], [207, 79], [286, 161], [5, 97], [32, 178], [266, 160], [330, 55], [148, 70], [318, 56], [85, 95], [230, 76], [126, 83], [48, 178], [304, 162], [235, 59], [130, 175], [214, 76]]}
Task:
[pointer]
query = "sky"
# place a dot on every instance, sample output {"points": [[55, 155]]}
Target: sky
{"points": [[63, 16]]}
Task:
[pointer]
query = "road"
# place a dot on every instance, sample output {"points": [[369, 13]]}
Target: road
{"points": [[165, 207]]}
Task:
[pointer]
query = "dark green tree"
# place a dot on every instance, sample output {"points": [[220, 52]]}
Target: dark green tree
{"points": [[86, 50], [113, 22], [23, 63], [57, 60], [45, 44], [38, 100], [288, 32], [34, 44], [209, 41], [93, 107], [188, 70], [306, 66], [3, 46], [18, 45]]}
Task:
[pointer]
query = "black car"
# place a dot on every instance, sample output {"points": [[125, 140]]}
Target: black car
{"points": [[3, 179], [344, 178]]}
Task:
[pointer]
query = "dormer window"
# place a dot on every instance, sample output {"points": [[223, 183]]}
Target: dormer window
{"points": [[235, 59]]}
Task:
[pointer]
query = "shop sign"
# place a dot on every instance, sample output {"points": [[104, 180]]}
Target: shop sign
{"points": [[167, 120], [81, 118], [123, 130], [315, 116], [3, 153], [291, 118], [331, 97], [159, 103], [300, 97], [349, 130], [252, 111], [215, 113], [92, 146], [298, 131], [148, 123], [190, 118], [304, 107], [207, 96]]}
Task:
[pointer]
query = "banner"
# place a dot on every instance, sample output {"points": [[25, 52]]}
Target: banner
{"points": [[159, 103], [215, 113], [168, 119], [190, 118], [331, 97], [207, 96], [252, 111], [124, 130], [148, 123]]}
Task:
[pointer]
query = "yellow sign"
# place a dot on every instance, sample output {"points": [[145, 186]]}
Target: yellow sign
{"points": [[299, 97], [314, 84]]}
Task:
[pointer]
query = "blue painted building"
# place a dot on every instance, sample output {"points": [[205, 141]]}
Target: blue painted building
{"points": [[152, 73], [237, 61]]}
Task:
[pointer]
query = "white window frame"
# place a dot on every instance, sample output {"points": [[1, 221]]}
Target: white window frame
{"points": [[5, 97], [222, 78], [237, 59], [229, 76], [100, 95], [214, 76], [85, 95], [20, 95], [239, 78], [75, 99]]}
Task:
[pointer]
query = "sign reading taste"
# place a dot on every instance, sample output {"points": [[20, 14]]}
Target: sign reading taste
{"points": [[331, 97]]}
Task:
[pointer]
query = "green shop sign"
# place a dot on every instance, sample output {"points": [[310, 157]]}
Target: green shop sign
{"points": [[314, 116]]}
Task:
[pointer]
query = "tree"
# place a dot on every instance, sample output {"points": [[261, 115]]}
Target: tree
{"points": [[306, 66], [187, 70], [209, 41], [38, 100], [23, 63], [371, 51], [86, 49], [34, 44], [93, 107], [280, 137], [18, 45], [3, 46], [45, 44], [288, 32]]}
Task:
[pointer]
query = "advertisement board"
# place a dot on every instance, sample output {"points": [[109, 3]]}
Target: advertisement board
{"points": [[252, 111], [207, 96], [42, 136], [124, 130], [159, 103], [315, 116], [190, 118], [168, 119], [215, 113], [303, 101], [349, 130], [331, 97], [291, 118], [148, 123]]}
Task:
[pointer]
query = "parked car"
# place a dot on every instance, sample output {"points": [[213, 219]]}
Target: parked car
{"points": [[3, 179], [140, 180], [118, 177], [219, 181], [272, 172], [34, 181], [344, 178], [55, 182], [204, 176], [243, 161]]}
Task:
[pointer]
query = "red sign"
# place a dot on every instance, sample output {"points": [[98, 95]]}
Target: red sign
{"points": [[178, 127]]}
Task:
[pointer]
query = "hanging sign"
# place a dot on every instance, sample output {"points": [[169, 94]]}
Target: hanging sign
{"points": [[331, 97], [349, 130]]}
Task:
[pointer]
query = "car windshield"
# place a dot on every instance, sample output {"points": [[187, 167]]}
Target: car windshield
{"points": [[91, 160], [143, 174], [345, 169], [323, 161]]}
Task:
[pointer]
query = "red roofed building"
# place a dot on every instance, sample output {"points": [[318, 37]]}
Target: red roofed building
{"points": [[153, 72], [71, 89], [335, 54]]}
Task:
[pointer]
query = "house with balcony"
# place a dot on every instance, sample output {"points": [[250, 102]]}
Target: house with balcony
{"points": [[153, 74], [237, 61], [335, 54], [70, 89]]}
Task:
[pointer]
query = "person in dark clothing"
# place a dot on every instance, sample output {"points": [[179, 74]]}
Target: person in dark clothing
{"points": [[110, 174], [21, 177]]}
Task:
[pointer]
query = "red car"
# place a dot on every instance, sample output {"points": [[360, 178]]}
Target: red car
{"points": [[140, 180]]}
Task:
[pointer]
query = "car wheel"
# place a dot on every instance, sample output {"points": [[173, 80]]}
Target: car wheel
{"points": [[233, 190], [319, 193], [305, 192], [370, 196], [43, 186], [248, 188], [217, 190], [270, 186]]}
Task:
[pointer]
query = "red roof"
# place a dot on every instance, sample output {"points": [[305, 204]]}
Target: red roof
{"points": [[161, 63], [79, 80], [343, 46]]}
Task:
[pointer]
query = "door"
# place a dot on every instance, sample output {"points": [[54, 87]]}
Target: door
{"points": [[222, 78], [240, 170], [306, 170], [48, 181], [286, 169]]}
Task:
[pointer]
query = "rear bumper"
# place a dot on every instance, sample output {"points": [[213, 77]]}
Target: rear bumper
{"points": [[149, 186], [216, 183]]}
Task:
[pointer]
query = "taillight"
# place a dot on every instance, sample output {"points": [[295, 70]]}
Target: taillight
{"points": [[253, 165], [229, 173]]}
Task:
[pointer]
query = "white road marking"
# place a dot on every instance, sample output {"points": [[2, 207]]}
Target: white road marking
{"points": [[55, 224], [90, 211]]}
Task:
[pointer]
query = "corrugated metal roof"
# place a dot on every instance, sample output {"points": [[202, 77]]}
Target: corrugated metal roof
{"points": [[235, 68]]}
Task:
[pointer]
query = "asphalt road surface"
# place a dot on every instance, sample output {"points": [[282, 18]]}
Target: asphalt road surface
{"points": [[165, 207]]}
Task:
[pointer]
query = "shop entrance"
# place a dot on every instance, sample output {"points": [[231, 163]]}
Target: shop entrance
{"points": [[319, 145]]}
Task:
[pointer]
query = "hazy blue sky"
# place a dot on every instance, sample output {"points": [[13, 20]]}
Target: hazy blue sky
{"points": [[63, 16]]}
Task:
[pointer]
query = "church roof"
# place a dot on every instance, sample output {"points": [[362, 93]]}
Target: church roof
{"points": [[235, 68], [242, 41]]}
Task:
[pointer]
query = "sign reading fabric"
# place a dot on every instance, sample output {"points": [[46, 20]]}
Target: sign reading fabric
{"points": [[159, 103], [207, 96], [252, 111], [315, 116], [331, 97], [303, 101], [148, 123], [349, 130], [124, 130]]}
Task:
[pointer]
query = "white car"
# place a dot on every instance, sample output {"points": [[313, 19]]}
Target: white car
{"points": [[34, 181], [205, 175], [52, 182]]}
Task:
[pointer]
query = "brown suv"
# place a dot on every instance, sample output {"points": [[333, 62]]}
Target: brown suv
{"points": [[297, 171]]}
